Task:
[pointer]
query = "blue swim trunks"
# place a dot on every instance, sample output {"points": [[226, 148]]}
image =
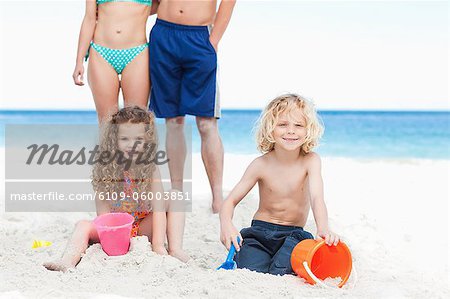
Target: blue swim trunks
{"points": [[183, 70], [267, 247]]}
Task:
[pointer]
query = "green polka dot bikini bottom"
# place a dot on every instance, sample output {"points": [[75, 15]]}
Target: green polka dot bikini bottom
{"points": [[117, 58]]}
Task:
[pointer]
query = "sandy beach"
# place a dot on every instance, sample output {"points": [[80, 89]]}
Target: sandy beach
{"points": [[377, 72], [393, 214]]}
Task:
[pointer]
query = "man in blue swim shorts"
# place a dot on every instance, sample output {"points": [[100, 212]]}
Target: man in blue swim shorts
{"points": [[183, 70]]}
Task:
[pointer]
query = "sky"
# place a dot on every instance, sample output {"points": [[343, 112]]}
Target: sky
{"points": [[344, 55]]}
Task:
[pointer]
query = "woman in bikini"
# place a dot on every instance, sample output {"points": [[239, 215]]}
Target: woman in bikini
{"points": [[113, 36]]}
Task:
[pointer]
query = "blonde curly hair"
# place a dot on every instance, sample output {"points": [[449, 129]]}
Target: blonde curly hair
{"points": [[109, 177], [287, 103]]}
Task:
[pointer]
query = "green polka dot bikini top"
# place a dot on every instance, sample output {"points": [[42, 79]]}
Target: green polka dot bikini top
{"points": [[145, 2]]}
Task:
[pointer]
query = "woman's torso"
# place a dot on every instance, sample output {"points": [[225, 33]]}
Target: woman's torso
{"points": [[121, 25]]}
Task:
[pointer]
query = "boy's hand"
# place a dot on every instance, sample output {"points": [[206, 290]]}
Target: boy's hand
{"points": [[228, 235], [329, 237]]}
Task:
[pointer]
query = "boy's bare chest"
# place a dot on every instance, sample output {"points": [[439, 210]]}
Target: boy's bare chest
{"points": [[283, 183]]}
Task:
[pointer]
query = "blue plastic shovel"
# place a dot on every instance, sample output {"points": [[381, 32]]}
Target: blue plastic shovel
{"points": [[229, 264]]}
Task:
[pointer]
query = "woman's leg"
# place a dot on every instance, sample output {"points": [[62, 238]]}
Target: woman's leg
{"points": [[104, 83], [84, 233], [136, 81]]}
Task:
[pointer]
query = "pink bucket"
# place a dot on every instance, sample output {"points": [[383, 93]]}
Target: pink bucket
{"points": [[114, 230]]}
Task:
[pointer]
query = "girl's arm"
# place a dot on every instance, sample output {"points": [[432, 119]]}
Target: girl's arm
{"points": [[86, 35], [317, 202], [228, 232], [159, 222]]}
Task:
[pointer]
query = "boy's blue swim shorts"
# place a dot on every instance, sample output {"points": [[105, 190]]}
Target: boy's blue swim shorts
{"points": [[183, 70], [267, 247]]}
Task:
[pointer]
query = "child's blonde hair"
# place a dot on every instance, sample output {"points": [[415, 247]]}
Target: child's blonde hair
{"points": [[286, 103]]}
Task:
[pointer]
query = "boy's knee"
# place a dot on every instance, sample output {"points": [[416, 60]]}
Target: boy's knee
{"points": [[250, 261]]}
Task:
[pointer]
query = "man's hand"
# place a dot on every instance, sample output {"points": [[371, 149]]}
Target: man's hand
{"points": [[214, 43]]}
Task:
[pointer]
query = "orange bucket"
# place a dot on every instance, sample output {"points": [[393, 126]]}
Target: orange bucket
{"points": [[322, 260]]}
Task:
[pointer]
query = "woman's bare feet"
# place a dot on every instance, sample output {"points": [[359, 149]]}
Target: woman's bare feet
{"points": [[58, 265], [180, 254]]}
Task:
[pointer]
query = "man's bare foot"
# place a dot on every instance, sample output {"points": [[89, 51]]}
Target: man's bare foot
{"points": [[161, 250], [180, 254], [216, 206], [58, 265]]}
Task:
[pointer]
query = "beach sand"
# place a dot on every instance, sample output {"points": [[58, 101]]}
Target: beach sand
{"points": [[393, 214]]}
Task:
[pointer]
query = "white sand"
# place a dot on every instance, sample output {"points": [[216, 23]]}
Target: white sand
{"points": [[392, 214]]}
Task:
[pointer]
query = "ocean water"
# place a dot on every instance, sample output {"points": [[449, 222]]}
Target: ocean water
{"points": [[354, 134]]}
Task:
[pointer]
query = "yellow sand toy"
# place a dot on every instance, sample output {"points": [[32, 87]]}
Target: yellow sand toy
{"points": [[40, 243]]}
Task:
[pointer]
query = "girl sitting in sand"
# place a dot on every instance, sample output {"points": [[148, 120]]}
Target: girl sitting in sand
{"points": [[130, 137], [290, 182]]}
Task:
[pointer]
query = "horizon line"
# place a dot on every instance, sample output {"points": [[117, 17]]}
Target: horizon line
{"points": [[240, 109]]}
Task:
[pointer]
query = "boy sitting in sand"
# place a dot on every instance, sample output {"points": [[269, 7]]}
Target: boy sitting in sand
{"points": [[129, 136], [289, 180]]}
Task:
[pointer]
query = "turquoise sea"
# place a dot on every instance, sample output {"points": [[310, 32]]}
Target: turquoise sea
{"points": [[355, 134]]}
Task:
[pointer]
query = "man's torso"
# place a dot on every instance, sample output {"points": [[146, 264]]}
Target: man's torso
{"points": [[188, 12]]}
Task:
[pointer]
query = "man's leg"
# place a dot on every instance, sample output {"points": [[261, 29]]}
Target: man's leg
{"points": [[176, 216], [175, 233], [176, 150], [212, 156]]}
